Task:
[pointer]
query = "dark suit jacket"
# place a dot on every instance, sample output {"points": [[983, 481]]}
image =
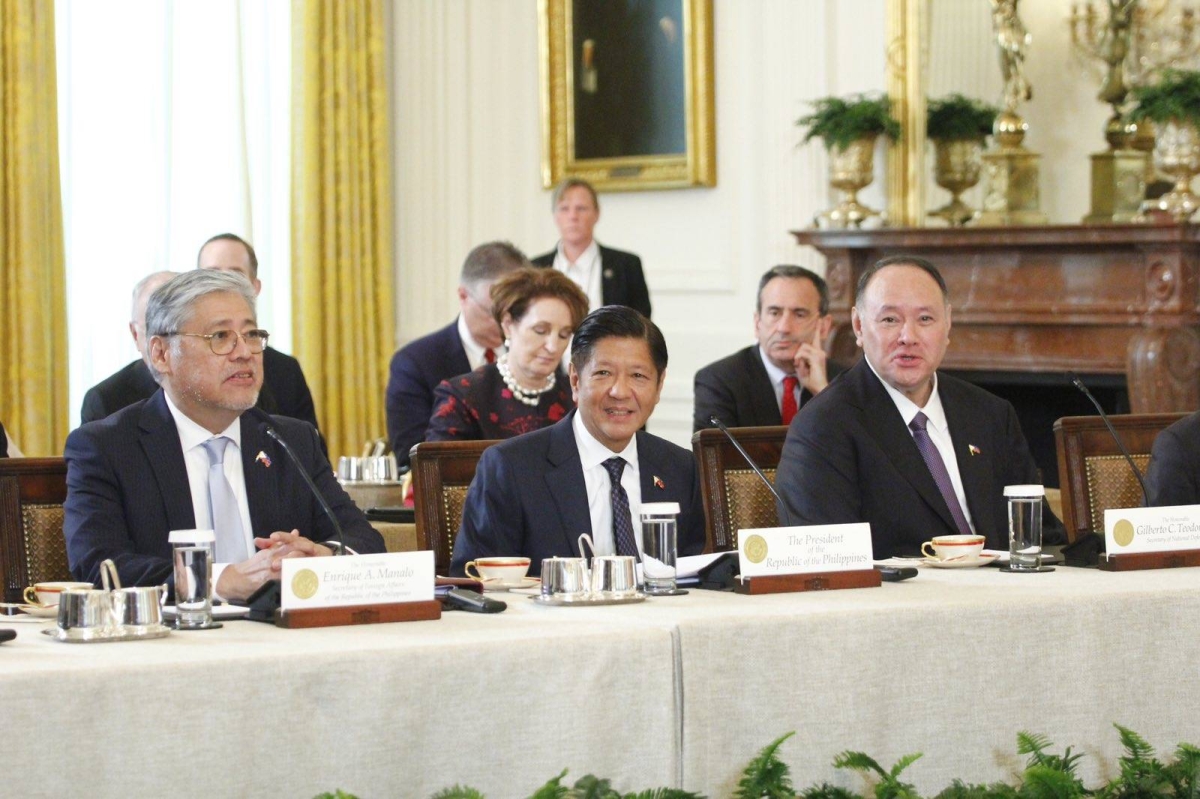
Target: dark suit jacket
{"points": [[621, 279], [284, 392], [3, 442], [528, 497], [1173, 476], [849, 457], [127, 487], [416, 370], [738, 391]]}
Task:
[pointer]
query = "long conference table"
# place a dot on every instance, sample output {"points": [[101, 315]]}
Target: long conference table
{"points": [[679, 691]]}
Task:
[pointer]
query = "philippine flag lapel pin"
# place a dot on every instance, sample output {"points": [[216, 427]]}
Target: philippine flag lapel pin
{"points": [[973, 449], [658, 483], [263, 459]]}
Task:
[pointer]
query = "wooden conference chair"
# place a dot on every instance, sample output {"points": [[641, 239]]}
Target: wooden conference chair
{"points": [[734, 497], [1093, 473], [32, 547], [442, 473]]}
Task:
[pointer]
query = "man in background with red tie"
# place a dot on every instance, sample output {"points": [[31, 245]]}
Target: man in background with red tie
{"points": [[766, 384], [895, 443], [465, 344]]}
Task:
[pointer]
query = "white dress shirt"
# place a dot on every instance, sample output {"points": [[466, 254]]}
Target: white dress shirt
{"points": [[939, 433], [592, 455], [585, 271], [475, 351], [191, 438], [776, 376]]}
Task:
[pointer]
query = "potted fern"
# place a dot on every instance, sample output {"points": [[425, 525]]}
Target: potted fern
{"points": [[957, 126], [849, 127], [1172, 103]]}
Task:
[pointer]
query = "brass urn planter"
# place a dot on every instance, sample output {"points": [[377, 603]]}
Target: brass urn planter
{"points": [[957, 167], [851, 168], [1177, 156]]}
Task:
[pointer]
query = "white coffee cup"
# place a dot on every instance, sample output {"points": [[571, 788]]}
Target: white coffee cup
{"points": [[952, 547], [46, 594], [503, 571]]}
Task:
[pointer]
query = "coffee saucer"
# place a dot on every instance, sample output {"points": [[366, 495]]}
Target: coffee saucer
{"points": [[960, 563], [42, 612], [494, 584]]}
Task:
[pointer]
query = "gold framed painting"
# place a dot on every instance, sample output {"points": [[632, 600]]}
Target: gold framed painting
{"points": [[627, 93]]}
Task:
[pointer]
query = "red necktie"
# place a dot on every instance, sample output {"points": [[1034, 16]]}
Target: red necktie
{"points": [[489, 355], [789, 398]]}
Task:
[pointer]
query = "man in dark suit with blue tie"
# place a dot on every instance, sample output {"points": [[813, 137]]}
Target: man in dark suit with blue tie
{"points": [[534, 495], [895, 443], [467, 343], [197, 454]]}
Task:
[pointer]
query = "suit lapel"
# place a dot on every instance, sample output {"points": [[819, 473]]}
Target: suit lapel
{"points": [[762, 392], [974, 469], [608, 275], [564, 481], [259, 491], [159, 439], [887, 427]]}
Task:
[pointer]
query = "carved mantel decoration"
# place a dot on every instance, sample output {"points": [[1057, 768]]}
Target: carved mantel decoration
{"points": [[1112, 299]]}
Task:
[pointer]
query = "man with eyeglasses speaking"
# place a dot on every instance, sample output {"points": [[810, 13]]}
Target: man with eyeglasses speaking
{"points": [[197, 454]]}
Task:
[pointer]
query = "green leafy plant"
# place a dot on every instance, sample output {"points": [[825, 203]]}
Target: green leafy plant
{"points": [[1175, 96], [767, 775], [839, 121], [889, 785], [958, 118]]}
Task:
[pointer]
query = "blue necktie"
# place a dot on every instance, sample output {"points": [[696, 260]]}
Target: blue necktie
{"points": [[222, 506], [623, 538], [937, 467]]}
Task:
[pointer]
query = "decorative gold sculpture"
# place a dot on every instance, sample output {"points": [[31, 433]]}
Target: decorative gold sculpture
{"points": [[850, 169], [1012, 196]]}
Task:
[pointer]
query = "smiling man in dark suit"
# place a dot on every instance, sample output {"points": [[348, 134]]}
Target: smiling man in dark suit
{"points": [[768, 382], [607, 276], [534, 494], [895, 443], [465, 344], [197, 455]]}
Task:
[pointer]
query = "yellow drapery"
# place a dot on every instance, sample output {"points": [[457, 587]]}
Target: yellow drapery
{"points": [[342, 215], [33, 316]]}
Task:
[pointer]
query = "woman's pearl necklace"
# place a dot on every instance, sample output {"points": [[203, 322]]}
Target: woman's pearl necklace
{"points": [[528, 396]]}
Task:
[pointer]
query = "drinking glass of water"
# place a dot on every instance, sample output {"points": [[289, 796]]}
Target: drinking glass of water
{"points": [[1024, 526], [193, 556]]}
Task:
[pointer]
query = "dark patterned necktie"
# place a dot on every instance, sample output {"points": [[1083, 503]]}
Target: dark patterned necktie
{"points": [[622, 520], [937, 467]]}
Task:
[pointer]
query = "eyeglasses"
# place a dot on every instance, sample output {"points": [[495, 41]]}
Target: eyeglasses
{"points": [[223, 342]]}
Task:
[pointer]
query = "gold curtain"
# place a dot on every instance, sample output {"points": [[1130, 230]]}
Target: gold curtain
{"points": [[33, 316], [342, 215]]}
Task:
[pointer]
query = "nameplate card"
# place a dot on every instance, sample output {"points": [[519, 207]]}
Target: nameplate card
{"points": [[1166, 529], [357, 580], [802, 550]]}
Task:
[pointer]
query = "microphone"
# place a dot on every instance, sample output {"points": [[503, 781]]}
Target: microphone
{"points": [[721, 426], [1104, 416], [270, 431]]}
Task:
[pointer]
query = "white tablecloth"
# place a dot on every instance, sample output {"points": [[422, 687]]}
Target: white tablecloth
{"points": [[673, 691]]}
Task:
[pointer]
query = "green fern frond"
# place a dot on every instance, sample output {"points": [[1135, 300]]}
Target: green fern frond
{"points": [[553, 789], [590, 786], [1044, 782], [766, 775], [1184, 773], [826, 791], [961, 790], [1136, 747], [664, 793], [1029, 743], [457, 792], [904, 763], [859, 761]]}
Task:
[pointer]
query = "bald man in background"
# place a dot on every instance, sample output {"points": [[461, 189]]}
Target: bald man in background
{"points": [[134, 381]]}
